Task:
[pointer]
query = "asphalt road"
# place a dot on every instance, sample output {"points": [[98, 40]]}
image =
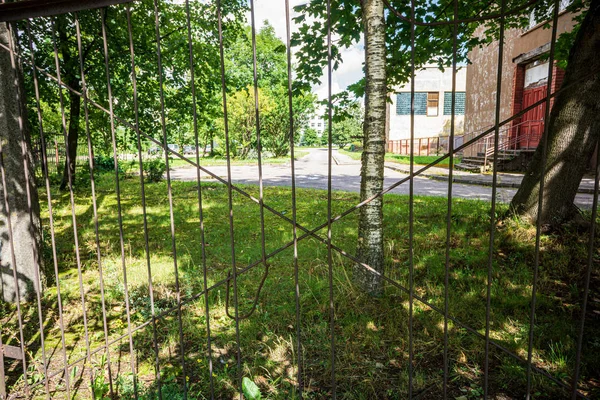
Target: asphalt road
{"points": [[312, 172]]}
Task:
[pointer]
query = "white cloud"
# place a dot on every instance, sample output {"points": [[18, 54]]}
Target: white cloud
{"points": [[274, 12]]}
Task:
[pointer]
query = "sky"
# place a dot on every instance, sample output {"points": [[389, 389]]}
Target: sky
{"points": [[349, 72]]}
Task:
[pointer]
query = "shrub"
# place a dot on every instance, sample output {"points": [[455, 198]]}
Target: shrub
{"points": [[104, 164], [154, 169]]}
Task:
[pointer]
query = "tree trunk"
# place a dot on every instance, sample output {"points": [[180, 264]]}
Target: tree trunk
{"points": [[573, 133], [370, 222], [21, 198], [70, 77], [72, 134]]}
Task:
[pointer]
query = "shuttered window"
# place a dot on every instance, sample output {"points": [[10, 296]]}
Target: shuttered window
{"points": [[459, 108], [433, 100], [403, 103]]}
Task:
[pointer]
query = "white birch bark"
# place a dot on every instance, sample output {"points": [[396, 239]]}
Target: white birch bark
{"points": [[370, 225]]}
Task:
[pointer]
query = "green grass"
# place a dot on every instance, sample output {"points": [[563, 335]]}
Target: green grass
{"points": [[371, 334], [217, 160], [402, 159]]}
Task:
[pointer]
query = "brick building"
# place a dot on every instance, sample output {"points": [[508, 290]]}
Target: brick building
{"points": [[524, 82]]}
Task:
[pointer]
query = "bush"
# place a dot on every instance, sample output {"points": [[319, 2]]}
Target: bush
{"points": [[312, 138], [104, 164], [154, 169]]}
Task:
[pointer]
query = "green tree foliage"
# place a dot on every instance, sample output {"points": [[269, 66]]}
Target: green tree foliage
{"points": [[311, 138], [433, 44], [242, 120], [276, 127], [176, 70], [272, 95], [347, 126]]}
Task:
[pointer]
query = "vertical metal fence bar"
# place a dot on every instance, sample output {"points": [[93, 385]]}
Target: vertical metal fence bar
{"points": [[258, 139], [200, 206], [73, 211], [143, 198], [538, 227], [329, 166], [14, 270], [77, 252], [26, 166], [94, 202], [46, 174], [118, 195], [449, 210], [490, 263], [64, 128], [170, 194], [294, 207], [2, 376], [230, 201], [12, 245], [411, 211], [588, 276]]}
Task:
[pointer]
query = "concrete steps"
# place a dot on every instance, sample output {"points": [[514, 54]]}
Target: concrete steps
{"points": [[478, 163]]}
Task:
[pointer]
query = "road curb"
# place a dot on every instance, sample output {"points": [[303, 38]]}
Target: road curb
{"points": [[478, 182]]}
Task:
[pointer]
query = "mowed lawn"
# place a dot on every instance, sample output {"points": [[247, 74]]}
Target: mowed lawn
{"points": [[372, 335]]}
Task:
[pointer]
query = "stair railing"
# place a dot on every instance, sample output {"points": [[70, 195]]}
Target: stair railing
{"points": [[506, 141]]}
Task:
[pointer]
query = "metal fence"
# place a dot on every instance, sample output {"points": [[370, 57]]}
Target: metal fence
{"points": [[428, 146], [86, 338]]}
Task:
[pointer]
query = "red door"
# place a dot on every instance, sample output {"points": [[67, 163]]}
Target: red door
{"points": [[532, 122]]}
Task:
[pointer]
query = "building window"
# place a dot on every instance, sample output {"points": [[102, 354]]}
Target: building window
{"points": [[459, 106], [433, 101], [403, 103], [537, 17]]}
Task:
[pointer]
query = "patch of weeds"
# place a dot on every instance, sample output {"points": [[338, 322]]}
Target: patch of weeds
{"points": [[99, 384], [371, 335]]}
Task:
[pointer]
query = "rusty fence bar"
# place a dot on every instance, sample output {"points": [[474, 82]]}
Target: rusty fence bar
{"points": [[52, 151]]}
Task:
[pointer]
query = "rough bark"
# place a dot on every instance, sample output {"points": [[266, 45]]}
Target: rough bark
{"points": [[24, 209], [573, 133], [370, 223], [70, 77]]}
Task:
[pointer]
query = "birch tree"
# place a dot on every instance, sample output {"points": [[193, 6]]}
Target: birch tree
{"points": [[370, 220]]}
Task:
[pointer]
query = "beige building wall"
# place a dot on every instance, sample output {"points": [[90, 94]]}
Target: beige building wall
{"points": [[429, 79]]}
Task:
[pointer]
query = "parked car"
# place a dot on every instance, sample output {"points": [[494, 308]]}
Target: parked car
{"points": [[188, 149], [154, 150], [173, 147]]}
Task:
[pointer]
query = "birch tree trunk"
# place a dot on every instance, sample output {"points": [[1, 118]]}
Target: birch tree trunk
{"points": [[22, 198], [573, 133], [370, 222]]}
